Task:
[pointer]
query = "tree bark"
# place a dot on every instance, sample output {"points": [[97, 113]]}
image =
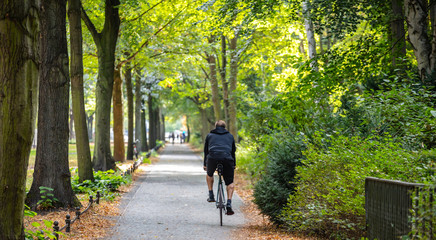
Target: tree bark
{"points": [[310, 35], [152, 131], [433, 33], [129, 90], [144, 144], [138, 107], [90, 120], [18, 84], [234, 60], [71, 125], [223, 74], [416, 18], [118, 117], [398, 31], [214, 84], [51, 164], [78, 100], [106, 42]]}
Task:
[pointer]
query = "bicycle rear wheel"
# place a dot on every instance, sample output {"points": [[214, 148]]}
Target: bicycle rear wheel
{"points": [[220, 202]]}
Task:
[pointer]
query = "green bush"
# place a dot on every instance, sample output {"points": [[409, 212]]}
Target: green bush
{"points": [[330, 195], [272, 190], [423, 216], [249, 160], [105, 182]]}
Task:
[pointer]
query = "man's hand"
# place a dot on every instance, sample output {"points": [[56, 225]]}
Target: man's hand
{"points": [[204, 168]]}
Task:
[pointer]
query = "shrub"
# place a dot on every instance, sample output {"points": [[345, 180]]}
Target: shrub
{"points": [[330, 195], [249, 161], [272, 190], [424, 211], [105, 182]]}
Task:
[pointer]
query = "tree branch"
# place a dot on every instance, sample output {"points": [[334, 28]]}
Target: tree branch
{"points": [[89, 24], [146, 11], [148, 40]]}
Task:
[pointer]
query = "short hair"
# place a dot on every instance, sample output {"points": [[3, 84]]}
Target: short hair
{"points": [[220, 123]]}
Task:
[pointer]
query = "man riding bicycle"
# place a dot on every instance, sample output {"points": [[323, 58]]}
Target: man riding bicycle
{"points": [[219, 147]]}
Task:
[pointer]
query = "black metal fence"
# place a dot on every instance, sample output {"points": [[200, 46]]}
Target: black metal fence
{"points": [[69, 221], [388, 207]]}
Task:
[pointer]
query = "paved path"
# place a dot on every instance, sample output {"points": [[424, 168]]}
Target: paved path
{"points": [[169, 202]]}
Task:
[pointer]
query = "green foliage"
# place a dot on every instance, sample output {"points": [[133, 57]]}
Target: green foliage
{"points": [[405, 111], [47, 197], [272, 190], [106, 182], [249, 160], [38, 234], [424, 211], [330, 193]]}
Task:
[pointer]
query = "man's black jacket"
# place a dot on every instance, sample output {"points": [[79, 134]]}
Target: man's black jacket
{"points": [[219, 144]]}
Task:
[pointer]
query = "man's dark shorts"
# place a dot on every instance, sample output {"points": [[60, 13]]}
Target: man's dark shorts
{"points": [[228, 169]]}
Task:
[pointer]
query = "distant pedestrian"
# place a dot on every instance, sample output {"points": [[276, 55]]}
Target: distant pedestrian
{"points": [[172, 136]]}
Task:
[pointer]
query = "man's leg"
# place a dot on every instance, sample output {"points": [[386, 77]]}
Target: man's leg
{"points": [[209, 181], [230, 189]]}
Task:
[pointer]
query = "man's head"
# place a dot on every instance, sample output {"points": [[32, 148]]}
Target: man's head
{"points": [[220, 123]]}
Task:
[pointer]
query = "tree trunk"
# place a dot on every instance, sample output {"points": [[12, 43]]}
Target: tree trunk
{"points": [[162, 124], [152, 133], [224, 82], [234, 59], [18, 84], [51, 164], [144, 144], [188, 129], [138, 107], [433, 33], [310, 35], [106, 42], [118, 117], [129, 90], [214, 84], [90, 120], [416, 18], [71, 125], [76, 70], [398, 32]]}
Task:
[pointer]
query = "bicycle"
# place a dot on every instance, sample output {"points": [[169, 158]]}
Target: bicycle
{"points": [[221, 199]]}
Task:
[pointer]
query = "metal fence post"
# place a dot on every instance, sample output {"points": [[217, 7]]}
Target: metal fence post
{"points": [[98, 198], [56, 229], [77, 212], [67, 223]]}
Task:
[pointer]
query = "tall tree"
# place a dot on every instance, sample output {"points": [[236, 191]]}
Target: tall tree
{"points": [[51, 164], [138, 108], [211, 60], [153, 121], [129, 92], [18, 84], [105, 41], [398, 31], [234, 60], [118, 117], [416, 17], [310, 34], [76, 70], [144, 145]]}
